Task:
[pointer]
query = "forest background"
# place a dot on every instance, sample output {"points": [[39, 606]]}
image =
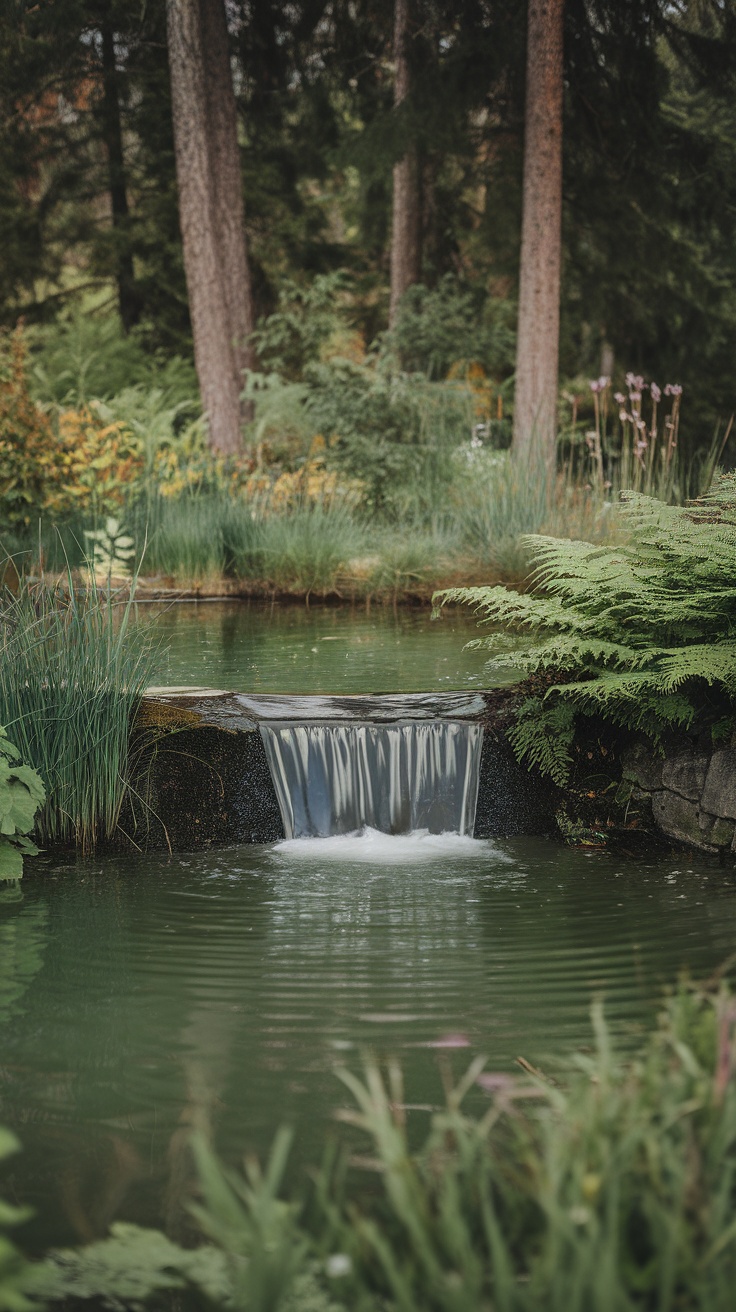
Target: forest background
{"points": [[372, 394]]}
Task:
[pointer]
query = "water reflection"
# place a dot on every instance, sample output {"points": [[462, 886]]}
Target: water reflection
{"points": [[254, 647]]}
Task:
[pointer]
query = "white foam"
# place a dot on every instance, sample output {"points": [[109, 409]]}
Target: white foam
{"points": [[389, 849]]}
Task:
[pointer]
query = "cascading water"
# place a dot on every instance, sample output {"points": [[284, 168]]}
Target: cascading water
{"points": [[339, 778]]}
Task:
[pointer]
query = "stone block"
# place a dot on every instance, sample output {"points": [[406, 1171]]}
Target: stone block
{"points": [[684, 773], [716, 831], [679, 818], [643, 766], [719, 793]]}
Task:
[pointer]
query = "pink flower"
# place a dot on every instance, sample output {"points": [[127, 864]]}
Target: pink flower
{"points": [[635, 382], [619, 398], [656, 394], [495, 1082], [624, 417], [673, 389], [449, 1041]]}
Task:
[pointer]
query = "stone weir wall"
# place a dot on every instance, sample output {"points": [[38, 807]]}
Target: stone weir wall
{"points": [[692, 792], [204, 779]]}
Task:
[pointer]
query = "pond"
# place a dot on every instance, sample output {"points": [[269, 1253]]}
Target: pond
{"points": [[142, 994], [255, 647]]}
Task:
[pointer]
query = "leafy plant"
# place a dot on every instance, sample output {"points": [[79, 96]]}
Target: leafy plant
{"points": [[112, 550], [636, 632], [16, 1274], [21, 794]]}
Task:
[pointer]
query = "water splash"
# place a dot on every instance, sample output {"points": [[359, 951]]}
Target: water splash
{"points": [[371, 846]]}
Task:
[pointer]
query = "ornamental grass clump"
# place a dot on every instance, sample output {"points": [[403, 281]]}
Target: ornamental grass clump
{"points": [[73, 669], [642, 633]]}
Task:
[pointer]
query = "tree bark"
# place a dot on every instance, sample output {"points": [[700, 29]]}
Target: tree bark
{"points": [[406, 217], [208, 177], [227, 195], [537, 350], [128, 298]]}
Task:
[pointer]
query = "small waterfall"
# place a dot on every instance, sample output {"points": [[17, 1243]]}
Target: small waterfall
{"points": [[336, 778]]}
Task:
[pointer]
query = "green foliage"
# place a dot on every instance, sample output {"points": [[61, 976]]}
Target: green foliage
{"points": [[128, 1268], [21, 794], [306, 319], [393, 431], [453, 323], [16, 1275], [611, 1189], [72, 672], [608, 1185], [636, 633]]}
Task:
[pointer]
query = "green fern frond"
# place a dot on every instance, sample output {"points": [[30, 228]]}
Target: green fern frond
{"points": [[644, 628]]}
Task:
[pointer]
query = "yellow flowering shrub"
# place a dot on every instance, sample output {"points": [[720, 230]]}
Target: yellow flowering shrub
{"points": [[96, 462], [485, 390], [28, 447], [57, 462]]}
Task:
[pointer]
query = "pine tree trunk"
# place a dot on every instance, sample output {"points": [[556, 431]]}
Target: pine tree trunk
{"points": [[406, 217], [128, 298], [200, 87], [224, 155], [537, 350]]}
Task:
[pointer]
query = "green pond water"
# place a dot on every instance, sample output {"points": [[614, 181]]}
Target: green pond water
{"points": [[255, 647], [140, 995]]}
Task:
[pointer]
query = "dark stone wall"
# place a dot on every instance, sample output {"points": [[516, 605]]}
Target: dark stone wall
{"points": [[511, 799], [205, 786]]}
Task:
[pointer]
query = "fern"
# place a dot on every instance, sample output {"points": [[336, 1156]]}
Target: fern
{"points": [[634, 633]]}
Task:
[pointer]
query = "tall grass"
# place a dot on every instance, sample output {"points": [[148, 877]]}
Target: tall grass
{"points": [[72, 672]]}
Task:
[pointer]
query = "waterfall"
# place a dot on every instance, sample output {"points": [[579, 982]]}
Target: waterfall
{"points": [[337, 778]]}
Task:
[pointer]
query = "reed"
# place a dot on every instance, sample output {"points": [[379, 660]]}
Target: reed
{"points": [[72, 671]]}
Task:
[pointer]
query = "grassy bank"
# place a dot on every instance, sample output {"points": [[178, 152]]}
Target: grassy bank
{"points": [[607, 1185]]}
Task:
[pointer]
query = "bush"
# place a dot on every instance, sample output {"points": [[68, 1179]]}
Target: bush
{"points": [[21, 794], [635, 633]]}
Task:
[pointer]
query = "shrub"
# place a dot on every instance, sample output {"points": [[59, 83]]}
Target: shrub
{"points": [[21, 794], [635, 632]]}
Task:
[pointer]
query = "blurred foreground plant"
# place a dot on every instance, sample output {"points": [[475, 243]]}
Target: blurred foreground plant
{"points": [[610, 1188]]}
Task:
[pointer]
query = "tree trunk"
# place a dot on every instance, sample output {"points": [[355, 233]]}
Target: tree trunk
{"points": [[537, 350], [215, 257], [224, 155], [128, 298], [405, 221]]}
